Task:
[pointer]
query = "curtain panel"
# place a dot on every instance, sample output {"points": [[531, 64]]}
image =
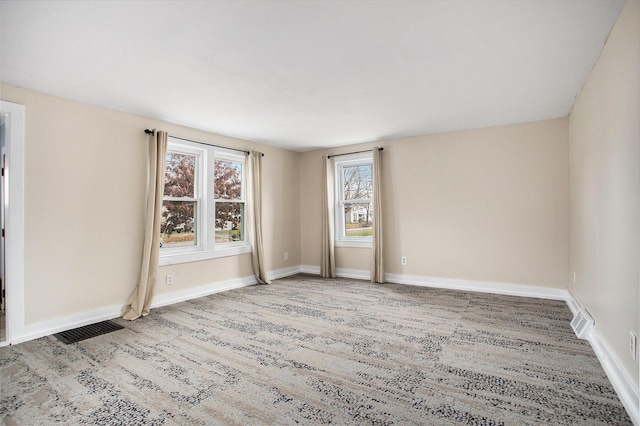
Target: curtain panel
{"points": [[328, 260], [139, 302], [377, 264], [254, 216]]}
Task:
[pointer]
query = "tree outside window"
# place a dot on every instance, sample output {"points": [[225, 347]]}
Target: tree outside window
{"points": [[229, 204], [358, 207], [179, 205], [354, 199]]}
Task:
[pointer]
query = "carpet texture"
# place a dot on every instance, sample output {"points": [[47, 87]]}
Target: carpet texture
{"points": [[313, 351]]}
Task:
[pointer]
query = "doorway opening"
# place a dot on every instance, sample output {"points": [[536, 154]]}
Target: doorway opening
{"points": [[12, 312], [3, 204]]}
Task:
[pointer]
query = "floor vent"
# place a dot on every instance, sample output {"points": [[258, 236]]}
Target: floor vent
{"points": [[87, 332], [582, 324]]}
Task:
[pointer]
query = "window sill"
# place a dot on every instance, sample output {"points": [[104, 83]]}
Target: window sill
{"points": [[195, 256], [354, 244]]}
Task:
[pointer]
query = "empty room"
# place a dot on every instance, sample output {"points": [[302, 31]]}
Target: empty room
{"points": [[311, 212]]}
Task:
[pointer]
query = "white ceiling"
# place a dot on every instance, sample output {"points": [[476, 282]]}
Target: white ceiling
{"points": [[308, 74]]}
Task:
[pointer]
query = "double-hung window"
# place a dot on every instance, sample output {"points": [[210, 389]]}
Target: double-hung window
{"points": [[203, 203], [354, 200]]}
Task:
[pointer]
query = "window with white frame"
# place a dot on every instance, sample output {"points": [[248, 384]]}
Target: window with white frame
{"points": [[203, 204], [354, 200]]}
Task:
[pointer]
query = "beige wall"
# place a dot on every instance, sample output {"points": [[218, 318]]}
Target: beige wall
{"points": [[605, 188], [484, 205], [85, 172]]}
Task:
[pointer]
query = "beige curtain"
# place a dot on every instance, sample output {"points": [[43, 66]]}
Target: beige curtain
{"points": [[140, 301], [328, 261], [254, 216], [377, 270]]}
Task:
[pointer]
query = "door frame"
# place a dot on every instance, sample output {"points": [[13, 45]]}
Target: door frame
{"points": [[14, 221]]}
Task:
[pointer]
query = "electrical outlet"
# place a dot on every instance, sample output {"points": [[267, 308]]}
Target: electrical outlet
{"points": [[286, 256], [633, 345], [169, 279], [403, 260]]}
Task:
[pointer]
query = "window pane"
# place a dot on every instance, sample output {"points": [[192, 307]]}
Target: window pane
{"points": [[229, 222], [177, 227], [179, 177], [358, 219], [228, 180], [357, 182]]}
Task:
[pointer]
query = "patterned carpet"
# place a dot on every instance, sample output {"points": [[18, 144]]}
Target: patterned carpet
{"points": [[313, 351]]}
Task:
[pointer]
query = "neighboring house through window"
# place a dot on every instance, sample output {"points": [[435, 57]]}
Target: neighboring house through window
{"points": [[354, 200], [203, 204]]}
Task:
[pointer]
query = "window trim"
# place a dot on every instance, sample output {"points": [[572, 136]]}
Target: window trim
{"points": [[206, 247], [200, 208], [341, 240], [228, 155]]}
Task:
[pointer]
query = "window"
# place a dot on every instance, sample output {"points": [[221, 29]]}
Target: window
{"points": [[203, 204], [180, 202], [229, 201], [354, 200]]}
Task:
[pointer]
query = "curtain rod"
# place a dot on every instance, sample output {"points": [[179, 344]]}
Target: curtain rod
{"points": [[151, 132], [356, 152]]}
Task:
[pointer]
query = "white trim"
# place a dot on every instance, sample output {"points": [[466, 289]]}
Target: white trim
{"points": [[571, 302], [195, 256], [620, 379], [206, 247], [350, 160], [15, 319], [453, 284], [357, 274], [310, 269], [622, 382], [201, 291], [286, 272], [199, 186], [354, 243], [46, 328], [353, 273], [481, 286]]}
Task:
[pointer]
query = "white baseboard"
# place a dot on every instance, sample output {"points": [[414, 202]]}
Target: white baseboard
{"points": [[286, 272], [452, 284], [627, 391], [340, 272], [620, 379], [308, 269], [353, 273], [201, 291], [46, 328], [480, 286], [574, 306]]}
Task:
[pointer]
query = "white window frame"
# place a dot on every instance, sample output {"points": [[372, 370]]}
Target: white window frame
{"points": [[340, 162], [200, 210], [204, 221], [234, 156]]}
